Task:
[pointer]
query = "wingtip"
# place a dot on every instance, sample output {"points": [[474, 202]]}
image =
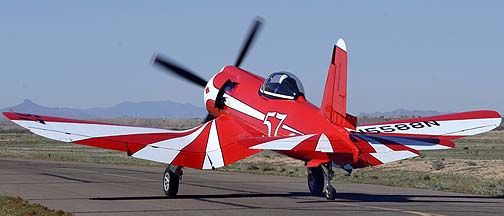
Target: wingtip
{"points": [[341, 44], [7, 114]]}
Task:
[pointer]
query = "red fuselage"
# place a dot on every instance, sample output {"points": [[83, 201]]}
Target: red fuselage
{"points": [[277, 117]]}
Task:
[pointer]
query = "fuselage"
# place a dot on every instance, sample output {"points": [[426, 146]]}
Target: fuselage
{"points": [[276, 117]]}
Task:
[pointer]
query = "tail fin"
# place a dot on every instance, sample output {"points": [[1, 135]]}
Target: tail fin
{"points": [[335, 93]]}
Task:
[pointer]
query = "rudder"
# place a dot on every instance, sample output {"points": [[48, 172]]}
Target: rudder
{"points": [[333, 105]]}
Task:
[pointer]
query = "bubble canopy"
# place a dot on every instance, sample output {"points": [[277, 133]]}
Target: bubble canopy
{"points": [[282, 85]]}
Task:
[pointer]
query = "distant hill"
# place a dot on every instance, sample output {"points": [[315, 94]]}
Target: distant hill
{"points": [[403, 113], [150, 109]]}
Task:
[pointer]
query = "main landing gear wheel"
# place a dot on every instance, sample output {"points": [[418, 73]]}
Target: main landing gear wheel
{"points": [[316, 180], [171, 180]]}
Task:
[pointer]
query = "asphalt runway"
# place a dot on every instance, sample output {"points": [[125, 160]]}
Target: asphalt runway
{"points": [[99, 189]]}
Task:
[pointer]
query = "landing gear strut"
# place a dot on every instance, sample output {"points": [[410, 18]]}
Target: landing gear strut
{"points": [[330, 191], [171, 180]]}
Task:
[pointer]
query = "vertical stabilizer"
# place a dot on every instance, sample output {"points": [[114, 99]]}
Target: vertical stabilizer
{"points": [[335, 93]]}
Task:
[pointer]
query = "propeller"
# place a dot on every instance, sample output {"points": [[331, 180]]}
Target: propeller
{"points": [[256, 26], [180, 71], [174, 68]]}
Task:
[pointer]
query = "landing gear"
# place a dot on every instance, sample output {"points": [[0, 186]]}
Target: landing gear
{"points": [[330, 191], [171, 180], [316, 176], [316, 180]]}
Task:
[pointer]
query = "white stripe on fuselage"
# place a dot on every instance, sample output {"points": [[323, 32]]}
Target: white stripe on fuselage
{"points": [[238, 105]]}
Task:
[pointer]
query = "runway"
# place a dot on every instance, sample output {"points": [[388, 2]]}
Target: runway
{"points": [[99, 189]]}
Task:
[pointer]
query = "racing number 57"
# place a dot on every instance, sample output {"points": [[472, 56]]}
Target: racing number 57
{"points": [[276, 115]]}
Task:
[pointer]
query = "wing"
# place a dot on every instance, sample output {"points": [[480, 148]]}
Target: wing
{"points": [[396, 140], [210, 145], [451, 126], [391, 141]]}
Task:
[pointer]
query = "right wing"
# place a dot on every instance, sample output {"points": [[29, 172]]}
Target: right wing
{"points": [[391, 141], [450, 126], [210, 145]]}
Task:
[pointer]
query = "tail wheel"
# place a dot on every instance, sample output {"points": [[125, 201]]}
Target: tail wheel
{"points": [[170, 182], [330, 192], [316, 180]]}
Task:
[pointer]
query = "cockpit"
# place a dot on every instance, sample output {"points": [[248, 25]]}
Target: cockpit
{"points": [[282, 85]]}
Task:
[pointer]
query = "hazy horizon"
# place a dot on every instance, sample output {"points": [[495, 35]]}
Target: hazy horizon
{"points": [[418, 55], [29, 101], [157, 109]]}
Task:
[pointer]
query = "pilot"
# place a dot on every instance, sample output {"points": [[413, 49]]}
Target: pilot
{"points": [[287, 85]]}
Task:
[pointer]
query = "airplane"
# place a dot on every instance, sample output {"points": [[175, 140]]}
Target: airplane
{"points": [[248, 114]]}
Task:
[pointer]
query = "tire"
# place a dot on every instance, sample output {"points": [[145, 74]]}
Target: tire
{"points": [[316, 180], [330, 192], [170, 183]]}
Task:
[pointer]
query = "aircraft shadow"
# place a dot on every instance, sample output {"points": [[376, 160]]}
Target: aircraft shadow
{"points": [[209, 196], [341, 197], [361, 197]]}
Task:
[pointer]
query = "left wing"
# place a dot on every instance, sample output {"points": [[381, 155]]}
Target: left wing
{"points": [[210, 145]]}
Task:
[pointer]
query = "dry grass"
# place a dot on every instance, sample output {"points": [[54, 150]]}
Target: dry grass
{"points": [[31, 146], [10, 206]]}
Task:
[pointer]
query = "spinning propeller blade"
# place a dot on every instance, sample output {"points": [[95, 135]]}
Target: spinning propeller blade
{"points": [[256, 26], [179, 70]]}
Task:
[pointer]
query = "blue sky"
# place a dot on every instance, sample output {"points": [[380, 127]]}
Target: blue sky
{"points": [[428, 55]]}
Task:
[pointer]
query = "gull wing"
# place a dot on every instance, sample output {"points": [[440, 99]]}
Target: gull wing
{"points": [[450, 126], [210, 145]]}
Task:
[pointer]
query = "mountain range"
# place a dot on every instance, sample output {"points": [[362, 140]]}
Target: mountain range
{"points": [[150, 109], [404, 112], [156, 109]]}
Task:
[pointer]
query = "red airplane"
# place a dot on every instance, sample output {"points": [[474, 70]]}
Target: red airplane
{"points": [[248, 114]]}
